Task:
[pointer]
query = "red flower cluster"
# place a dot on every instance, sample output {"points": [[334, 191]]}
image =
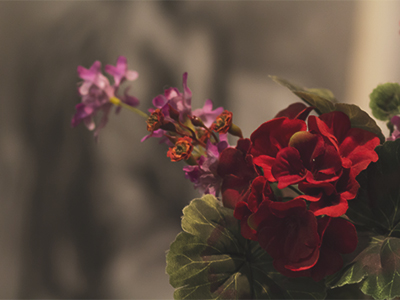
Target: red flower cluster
{"points": [[304, 235]]}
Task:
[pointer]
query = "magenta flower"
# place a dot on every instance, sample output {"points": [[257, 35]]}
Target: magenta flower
{"points": [[179, 101], [92, 103], [396, 133], [96, 92], [93, 76], [120, 72], [204, 175], [206, 114]]}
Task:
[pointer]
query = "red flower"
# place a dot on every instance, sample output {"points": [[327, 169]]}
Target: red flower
{"points": [[356, 146], [308, 159], [323, 161], [300, 244], [260, 191], [289, 233], [182, 149], [237, 170], [330, 198], [296, 110], [338, 236], [268, 139]]}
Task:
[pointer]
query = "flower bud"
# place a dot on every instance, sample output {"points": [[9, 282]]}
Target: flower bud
{"points": [[223, 122], [182, 149], [196, 121]]}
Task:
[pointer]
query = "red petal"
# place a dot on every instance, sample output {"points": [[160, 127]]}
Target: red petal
{"points": [[288, 168], [274, 135], [338, 124], [333, 206], [358, 147], [266, 163], [292, 110], [234, 189], [329, 262], [341, 236]]}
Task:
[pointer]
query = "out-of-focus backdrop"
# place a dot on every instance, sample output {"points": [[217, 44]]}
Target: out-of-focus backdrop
{"points": [[86, 220]]}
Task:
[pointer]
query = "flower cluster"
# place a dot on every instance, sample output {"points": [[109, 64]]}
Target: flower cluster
{"points": [[195, 136], [317, 157], [322, 158], [98, 95]]}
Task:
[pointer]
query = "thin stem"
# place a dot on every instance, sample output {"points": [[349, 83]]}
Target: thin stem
{"points": [[212, 132], [295, 190], [194, 137], [117, 102]]}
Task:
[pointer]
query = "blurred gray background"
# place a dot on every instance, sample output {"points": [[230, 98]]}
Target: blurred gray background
{"points": [[86, 220]]}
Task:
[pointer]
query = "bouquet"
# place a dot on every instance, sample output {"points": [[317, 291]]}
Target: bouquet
{"points": [[307, 207]]}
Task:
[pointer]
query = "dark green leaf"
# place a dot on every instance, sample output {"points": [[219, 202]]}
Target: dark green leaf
{"points": [[376, 269], [377, 205], [376, 265], [210, 259], [323, 101]]}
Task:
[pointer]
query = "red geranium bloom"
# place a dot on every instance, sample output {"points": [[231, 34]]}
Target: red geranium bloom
{"points": [[323, 161], [268, 139], [260, 191], [330, 198], [288, 232], [338, 236], [237, 170], [356, 146], [307, 158]]}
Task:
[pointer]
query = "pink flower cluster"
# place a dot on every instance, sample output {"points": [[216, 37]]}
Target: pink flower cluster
{"points": [[96, 91]]}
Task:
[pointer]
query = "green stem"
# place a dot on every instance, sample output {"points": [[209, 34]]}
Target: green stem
{"points": [[117, 102]]}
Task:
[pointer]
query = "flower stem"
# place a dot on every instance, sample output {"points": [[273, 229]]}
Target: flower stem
{"points": [[117, 102]]}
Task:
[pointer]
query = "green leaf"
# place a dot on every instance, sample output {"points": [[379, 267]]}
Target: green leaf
{"points": [[324, 93], [375, 265], [350, 291], [376, 269], [323, 101], [360, 119], [385, 101], [313, 97], [210, 259], [377, 205]]}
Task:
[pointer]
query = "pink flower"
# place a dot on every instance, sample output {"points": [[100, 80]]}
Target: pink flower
{"points": [[96, 92], [396, 133], [179, 101], [204, 175], [206, 114], [93, 76], [120, 72], [94, 101]]}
